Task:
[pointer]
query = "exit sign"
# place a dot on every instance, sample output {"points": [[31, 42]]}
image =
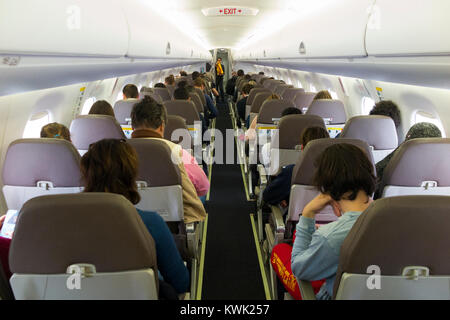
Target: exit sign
{"points": [[230, 11]]}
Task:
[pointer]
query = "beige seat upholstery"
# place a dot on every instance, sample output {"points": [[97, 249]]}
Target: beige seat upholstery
{"points": [[251, 98], [164, 93], [303, 100], [177, 131], [122, 110], [99, 236], [290, 93], [281, 88]]}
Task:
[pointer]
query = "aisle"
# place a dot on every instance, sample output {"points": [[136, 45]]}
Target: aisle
{"points": [[231, 269]]}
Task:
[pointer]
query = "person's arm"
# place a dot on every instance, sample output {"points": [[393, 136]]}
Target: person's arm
{"points": [[211, 106], [279, 188], [170, 264], [196, 174]]}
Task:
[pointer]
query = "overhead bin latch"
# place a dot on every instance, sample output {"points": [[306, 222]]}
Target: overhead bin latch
{"points": [[302, 48], [414, 272]]}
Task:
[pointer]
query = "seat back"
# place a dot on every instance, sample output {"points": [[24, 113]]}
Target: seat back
{"points": [[150, 92], [333, 111], [418, 167], [303, 191], [273, 84], [271, 111], [36, 167], [403, 240], [197, 102], [378, 131], [85, 130], [201, 95], [183, 108], [122, 110], [290, 93], [159, 179], [177, 131], [254, 92], [171, 90], [303, 100], [99, 236], [267, 83], [279, 89], [164, 93]]}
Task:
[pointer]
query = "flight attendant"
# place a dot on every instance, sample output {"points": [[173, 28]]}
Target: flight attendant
{"points": [[220, 71]]}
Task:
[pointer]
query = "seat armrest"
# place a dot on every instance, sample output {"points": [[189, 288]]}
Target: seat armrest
{"points": [[190, 227], [262, 175], [306, 290], [277, 217]]}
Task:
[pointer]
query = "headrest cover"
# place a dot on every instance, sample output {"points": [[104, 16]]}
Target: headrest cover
{"points": [[253, 93], [164, 93], [183, 108], [377, 131], [273, 109], [419, 160], [155, 163], [292, 126], [122, 110], [85, 130], [103, 229], [31, 160], [260, 98], [305, 167], [290, 93], [304, 99], [279, 89], [329, 109], [174, 123], [398, 232]]}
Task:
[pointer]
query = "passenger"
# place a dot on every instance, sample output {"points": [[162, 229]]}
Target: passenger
{"points": [[183, 73], [55, 130], [210, 111], [182, 93], [241, 105], [345, 178], [148, 119], [102, 107], [112, 166], [324, 94], [130, 91], [419, 130], [251, 132], [231, 83], [389, 109], [195, 75], [170, 80], [183, 84], [160, 85], [261, 73], [278, 190]]}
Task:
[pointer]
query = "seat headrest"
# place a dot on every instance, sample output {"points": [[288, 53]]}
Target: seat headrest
{"points": [[398, 232], [29, 161], [253, 93], [174, 123], [259, 100], [164, 93], [304, 99], [155, 163], [419, 160], [305, 167], [279, 89], [273, 109], [153, 95], [268, 82], [85, 130], [273, 84], [377, 131], [122, 110], [197, 101], [183, 108], [103, 229], [290, 93], [292, 126], [333, 110]]}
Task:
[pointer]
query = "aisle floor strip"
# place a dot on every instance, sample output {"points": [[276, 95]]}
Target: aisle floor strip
{"points": [[211, 153], [260, 260], [202, 261]]}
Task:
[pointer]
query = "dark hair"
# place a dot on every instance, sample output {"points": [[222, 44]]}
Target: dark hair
{"points": [[170, 80], [183, 73], [291, 110], [181, 94], [389, 109], [248, 77], [182, 84], [130, 91], [344, 168], [199, 82], [102, 107], [313, 133], [247, 88], [148, 113], [111, 165], [261, 73], [240, 73], [55, 130], [160, 85], [324, 94], [195, 75], [423, 130]]}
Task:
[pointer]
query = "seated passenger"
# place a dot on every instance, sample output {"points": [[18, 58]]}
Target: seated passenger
{"points": [[389, 109], [278, 190], [419, 130], [130, 91], [102, 107], [112, 166], [324, 94], [182, 93], [210, 111], [160, 85], [148, 119], [183, 73], [345, 178], [241, 104], [182, 84], [169, 80], [195, 75], [55, 130]]}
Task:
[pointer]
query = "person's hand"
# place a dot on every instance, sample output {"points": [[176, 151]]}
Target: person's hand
{"points": [[2, 219], [283, 204], [316, 205]]}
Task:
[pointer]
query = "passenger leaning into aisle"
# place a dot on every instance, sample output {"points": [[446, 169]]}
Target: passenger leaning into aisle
{"points": [[346, 180]]}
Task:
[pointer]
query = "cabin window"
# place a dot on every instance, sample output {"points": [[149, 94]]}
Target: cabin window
{"points": [[87, 105], [367, 105], [422, 116], [35, 124]]}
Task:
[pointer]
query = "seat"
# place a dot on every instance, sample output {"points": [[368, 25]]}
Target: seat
{"points": [[86, 246], [85, 130], [418, 167], [333, 113], [197, 102], [378, 131], [404, 239], [303, 100], [290, 93], [122, 110], [267, 83], [171, 90], [187, 110], [36, 167], [251, 97], [201, 95], [257, 104], [279, 89], [182, 137], [164, 93]]}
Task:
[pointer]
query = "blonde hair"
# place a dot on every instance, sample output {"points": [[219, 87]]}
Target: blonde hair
{"points": [[324, 94], [273, 97], [55, 130]]}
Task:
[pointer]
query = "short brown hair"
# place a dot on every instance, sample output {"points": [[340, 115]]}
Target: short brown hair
{"points": [[148, 113], [324, 94], [102, 107], [344, 168], [130, 91], [247, 88], [313, 133], [111, 165], [199, 82], [55, 130], [170, 80]]}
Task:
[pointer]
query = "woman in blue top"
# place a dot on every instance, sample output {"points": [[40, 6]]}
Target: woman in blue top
{"points": [[111, 166]]}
